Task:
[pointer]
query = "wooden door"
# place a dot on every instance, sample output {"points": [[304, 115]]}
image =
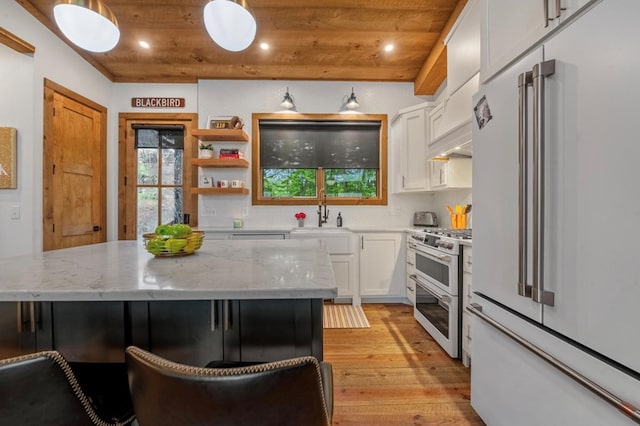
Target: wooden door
{"points": [[74, 170]]}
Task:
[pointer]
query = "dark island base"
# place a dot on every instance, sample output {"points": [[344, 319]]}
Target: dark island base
{"points": [[92, 336]]}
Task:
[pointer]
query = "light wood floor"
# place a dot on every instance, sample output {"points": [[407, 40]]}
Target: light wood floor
{"points": [[394, 373]]}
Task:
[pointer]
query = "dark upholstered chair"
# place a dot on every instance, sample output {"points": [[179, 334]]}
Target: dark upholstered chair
{"points": [[291, 392], [40, 389]]}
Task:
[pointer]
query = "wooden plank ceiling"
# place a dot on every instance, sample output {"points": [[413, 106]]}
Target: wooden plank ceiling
{"points": [[309, 40]]}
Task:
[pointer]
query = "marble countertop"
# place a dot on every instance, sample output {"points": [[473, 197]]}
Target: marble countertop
{"points": [[284, 230], [124, 270]]}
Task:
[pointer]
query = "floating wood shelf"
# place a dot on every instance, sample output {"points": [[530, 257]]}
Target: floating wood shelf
{"points": [[217, 162], [220, 191], [221, 135]]}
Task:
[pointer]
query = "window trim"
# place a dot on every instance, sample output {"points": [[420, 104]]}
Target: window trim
{"points": [[256, 172]]}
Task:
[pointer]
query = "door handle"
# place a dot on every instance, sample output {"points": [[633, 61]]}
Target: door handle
{"points": [[540, 72], [524, 81], [97, 228]]}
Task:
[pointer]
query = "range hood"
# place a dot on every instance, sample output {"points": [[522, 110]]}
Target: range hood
{"points": [[454, 143]]}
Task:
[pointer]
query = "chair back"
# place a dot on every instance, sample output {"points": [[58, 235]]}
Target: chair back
{"points": [[41, 389], [280, 393]]}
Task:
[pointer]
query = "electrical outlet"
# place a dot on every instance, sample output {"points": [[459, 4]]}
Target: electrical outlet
{"points": [[15, 212], [245, 211], [209, 211]]}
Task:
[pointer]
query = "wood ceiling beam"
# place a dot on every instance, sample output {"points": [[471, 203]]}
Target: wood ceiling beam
{"points": [[16, 43], [434, 70]]}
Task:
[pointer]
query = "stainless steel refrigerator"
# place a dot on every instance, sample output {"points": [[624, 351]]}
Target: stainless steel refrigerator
{"points": [[556, 236]]}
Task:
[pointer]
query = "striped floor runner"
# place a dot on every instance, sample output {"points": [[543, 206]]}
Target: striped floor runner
{"points": [[344, 316]]}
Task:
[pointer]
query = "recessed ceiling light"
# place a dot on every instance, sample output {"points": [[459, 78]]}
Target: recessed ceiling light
{"points": [[144, 44], [264, 46], [388, 47]]}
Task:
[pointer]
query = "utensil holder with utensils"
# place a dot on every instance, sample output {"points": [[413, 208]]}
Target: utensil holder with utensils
{"points": [[459, 216]]}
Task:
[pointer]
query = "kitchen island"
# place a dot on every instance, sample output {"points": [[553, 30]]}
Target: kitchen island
{"points": [[248, 301], [124, 270]]}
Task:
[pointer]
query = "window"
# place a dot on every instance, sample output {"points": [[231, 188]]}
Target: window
{"points": [[148, 174], [160, 163], [300, 160]]}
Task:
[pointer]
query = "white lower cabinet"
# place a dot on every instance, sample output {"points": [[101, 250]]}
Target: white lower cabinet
{"points": [[344, 260], [467, 291], [383, 266], [345, 271]]}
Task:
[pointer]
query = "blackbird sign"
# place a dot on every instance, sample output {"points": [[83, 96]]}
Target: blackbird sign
{"points": [[8, 154], [158, 102]]}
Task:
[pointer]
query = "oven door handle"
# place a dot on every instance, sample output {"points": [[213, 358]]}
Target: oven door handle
{"points": [[446, 299], [441, 258]]}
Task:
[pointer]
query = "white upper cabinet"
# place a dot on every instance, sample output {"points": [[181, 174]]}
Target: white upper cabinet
{"points": [[510, 28], [449, 123], [409, 139], [463, 47], [450, 173]]}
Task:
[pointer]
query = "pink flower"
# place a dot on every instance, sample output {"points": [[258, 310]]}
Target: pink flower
{"points": [[300, 215]]}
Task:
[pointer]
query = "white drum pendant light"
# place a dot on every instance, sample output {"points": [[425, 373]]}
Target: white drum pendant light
{"points": [[89, 24], [230, 24]]}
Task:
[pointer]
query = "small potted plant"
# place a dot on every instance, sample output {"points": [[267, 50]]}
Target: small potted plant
{"points": [[300, 216], [206, 150]]}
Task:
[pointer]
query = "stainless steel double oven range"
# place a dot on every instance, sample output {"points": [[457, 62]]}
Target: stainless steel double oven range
{"points": [[438, 277]]}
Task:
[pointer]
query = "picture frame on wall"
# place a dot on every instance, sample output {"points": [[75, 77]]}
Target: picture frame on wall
{"points": [[8, 158], [224, 122]]}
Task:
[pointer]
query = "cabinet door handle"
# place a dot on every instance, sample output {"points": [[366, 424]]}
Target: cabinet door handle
{"points": [[214, 315], [19, 317], [32, 316], [362, 242], [226, 312]]}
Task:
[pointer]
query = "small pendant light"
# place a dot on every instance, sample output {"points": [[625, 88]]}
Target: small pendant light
{"points": [[352, 102]]}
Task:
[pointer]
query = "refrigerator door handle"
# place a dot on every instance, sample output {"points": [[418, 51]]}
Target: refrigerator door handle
{"points": [[540, 72], [524, 80], [559, 8], [545, 8]]}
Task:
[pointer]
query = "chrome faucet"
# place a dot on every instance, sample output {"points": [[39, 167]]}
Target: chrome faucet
{"points": [[323, 218]]}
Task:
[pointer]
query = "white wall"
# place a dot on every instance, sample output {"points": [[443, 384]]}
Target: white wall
{"points": [[242, 98], [16, 110], [22, 95]]}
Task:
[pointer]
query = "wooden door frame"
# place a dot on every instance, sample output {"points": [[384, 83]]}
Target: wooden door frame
{"points": [[126, 229], [50, 88]]}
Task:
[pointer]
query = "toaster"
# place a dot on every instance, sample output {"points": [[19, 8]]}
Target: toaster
{"points": [[425, 219]]}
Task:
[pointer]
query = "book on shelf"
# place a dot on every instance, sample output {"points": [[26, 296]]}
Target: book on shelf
{"points": [[229, 153]]}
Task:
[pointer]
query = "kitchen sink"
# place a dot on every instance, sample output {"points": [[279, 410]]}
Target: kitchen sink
{"points": [[320, 231], [339, 240]]}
